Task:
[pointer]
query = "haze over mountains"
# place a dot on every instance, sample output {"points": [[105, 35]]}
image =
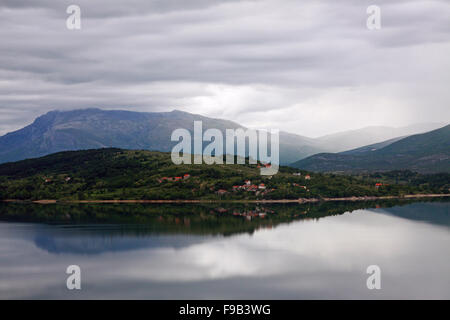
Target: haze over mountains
{"points": [[352, 139], [95, 128], [425, 153]]}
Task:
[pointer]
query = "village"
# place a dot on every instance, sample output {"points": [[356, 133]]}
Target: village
{"points": [[179, 178], [259, 189]]}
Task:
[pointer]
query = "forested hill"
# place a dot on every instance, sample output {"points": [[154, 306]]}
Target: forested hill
{"points": [[133, 174]]}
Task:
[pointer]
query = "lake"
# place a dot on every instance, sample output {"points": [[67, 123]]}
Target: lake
{"points": [[315, 251]]}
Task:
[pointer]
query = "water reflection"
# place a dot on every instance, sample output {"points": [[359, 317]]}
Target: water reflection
{"points": [[433, 212], [207, 219], [323, 255], [99, 240]]}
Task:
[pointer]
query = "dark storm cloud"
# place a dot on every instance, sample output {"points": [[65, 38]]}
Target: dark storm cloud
{"points": [[233, 59]]}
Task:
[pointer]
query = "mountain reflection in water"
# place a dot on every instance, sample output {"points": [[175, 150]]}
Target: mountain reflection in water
{"points": [[228, 251]]}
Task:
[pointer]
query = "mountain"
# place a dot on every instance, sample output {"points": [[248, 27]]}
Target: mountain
{"points": [[294, 147], [372, 147], [426, 153], [352, 139], [94, 128]]}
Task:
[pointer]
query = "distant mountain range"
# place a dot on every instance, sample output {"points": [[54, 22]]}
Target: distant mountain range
{"points": [[426, 153], [95, 128], [352, 139]]}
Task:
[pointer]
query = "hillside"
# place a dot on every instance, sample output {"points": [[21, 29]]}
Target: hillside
{"points": [[132, 174], [371, 147], [426, 153], [94, 128], [352, 139]]}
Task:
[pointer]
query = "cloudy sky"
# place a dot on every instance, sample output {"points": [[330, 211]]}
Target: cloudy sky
{"points": [[308, 67]]}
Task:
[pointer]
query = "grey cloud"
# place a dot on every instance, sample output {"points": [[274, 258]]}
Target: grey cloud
{"points": [[274, 56]]}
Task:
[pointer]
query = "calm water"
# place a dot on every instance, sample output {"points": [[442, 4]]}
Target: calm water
{"points": [[180, 252]]}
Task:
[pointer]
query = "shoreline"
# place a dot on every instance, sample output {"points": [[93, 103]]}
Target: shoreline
{"points": [[300, 200]]}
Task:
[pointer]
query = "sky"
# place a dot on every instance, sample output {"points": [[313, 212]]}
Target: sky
{"points": [[306, 67]]}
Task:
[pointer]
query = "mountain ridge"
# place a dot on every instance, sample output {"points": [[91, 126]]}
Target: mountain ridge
{"points": [[91, 128], [352, 139], [426, 153]]}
